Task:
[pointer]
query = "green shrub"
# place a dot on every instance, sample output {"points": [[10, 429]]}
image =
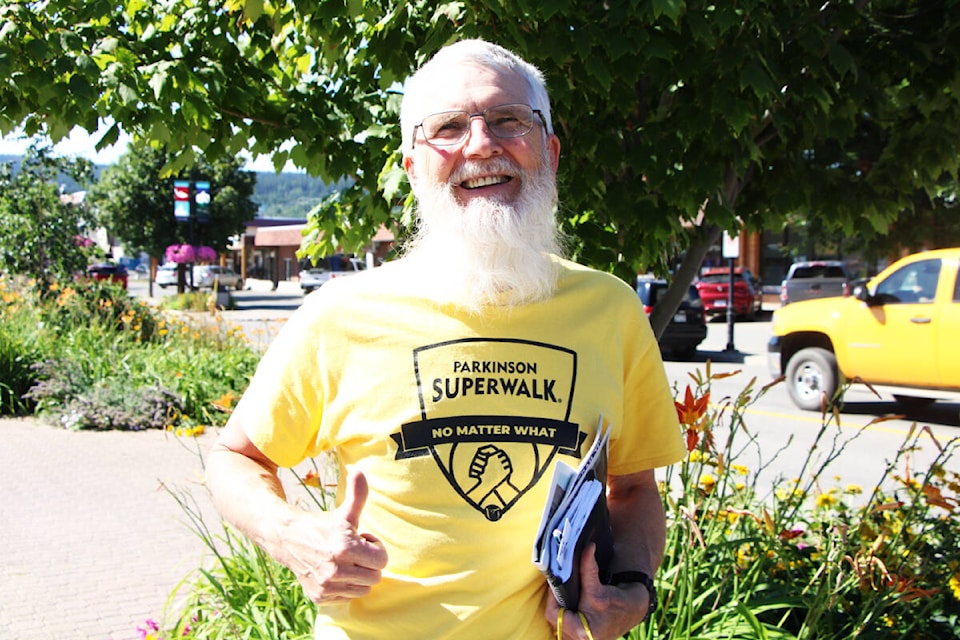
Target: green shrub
{"points": [[77, 400], [195, 301], [88, 356], [16, 374], [19, 350]]}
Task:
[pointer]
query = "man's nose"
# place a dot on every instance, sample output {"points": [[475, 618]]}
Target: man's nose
{"points": [[480, 141]]}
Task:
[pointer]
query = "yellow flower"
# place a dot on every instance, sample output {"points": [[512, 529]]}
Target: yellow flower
{"points": [[853, 489], [955, 585], [187, 431], [311, 479], [708, 482], [825, 500], [740, 469]]}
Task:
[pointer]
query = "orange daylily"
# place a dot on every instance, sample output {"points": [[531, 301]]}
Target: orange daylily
{"points": [[225, 402], [691, 410]]}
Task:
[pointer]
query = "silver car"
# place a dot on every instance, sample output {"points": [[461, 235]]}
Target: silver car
{"points": [[208, 276], [167, 275]]}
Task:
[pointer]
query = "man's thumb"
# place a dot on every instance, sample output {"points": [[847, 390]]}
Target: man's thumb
{"points": [[355, 497]]}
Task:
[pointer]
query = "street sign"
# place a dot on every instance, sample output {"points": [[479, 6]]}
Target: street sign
{"points": [[731, 246], [202, 199], [181, 199]]}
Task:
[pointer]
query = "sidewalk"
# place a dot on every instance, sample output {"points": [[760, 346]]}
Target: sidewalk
{"points": [[91, 545]]}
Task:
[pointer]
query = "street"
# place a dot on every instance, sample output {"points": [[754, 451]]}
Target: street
{"points": [[783, 434]]}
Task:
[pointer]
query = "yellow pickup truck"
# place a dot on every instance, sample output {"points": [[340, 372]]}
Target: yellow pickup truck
{"points": [[899, 332]]}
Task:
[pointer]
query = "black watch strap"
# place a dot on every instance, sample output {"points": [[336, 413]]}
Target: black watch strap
{"points": [[626, 577]]}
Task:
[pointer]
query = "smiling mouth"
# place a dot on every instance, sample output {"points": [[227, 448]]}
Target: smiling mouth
{"points": [[486, 181]]}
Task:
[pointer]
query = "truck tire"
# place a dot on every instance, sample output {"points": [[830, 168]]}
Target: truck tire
{"points": [[812, 378]]}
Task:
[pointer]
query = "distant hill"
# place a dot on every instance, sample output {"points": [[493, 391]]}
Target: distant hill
{"points": [[283, 195], [289, 195]]}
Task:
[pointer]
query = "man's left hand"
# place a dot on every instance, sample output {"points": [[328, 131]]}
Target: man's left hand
{"points": [[610, 611]]}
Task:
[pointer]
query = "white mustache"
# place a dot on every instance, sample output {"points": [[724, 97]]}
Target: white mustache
{"points": [[473, 169]]}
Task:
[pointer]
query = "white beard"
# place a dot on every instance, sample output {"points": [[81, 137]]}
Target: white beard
{"points": [[487, 252]]}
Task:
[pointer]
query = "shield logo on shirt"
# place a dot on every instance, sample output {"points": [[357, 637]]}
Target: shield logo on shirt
{"points": [[494, 413]]}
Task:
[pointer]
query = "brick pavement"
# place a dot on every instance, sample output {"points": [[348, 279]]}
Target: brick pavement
{"points": [[91, 545]]}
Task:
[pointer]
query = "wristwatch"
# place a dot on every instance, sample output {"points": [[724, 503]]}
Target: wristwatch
{"points": [[627, 577]]}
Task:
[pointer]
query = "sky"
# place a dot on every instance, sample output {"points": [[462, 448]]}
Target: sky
{"points": [[81, 144]]}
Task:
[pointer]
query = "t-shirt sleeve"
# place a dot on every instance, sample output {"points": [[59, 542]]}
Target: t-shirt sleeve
{"points": [[650, 435], [281, 409]]}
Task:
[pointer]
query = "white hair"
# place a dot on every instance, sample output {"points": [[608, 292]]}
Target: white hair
{"points": [[417, 98]]}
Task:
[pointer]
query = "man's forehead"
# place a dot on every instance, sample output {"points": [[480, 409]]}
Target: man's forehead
{"points": [[471, 86]]}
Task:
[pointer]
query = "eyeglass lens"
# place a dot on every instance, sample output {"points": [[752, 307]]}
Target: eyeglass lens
{"points": [[503, 121]]}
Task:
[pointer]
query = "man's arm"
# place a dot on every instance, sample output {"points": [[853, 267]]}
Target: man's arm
{"points": [[639, 532], [332, 561]]}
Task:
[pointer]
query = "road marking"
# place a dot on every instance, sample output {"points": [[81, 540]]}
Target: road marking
{"points": [[879, 426]]}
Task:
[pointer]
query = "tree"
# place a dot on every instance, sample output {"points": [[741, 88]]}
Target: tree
{"points": [[43, 236], [135, 201], [679, 119]]}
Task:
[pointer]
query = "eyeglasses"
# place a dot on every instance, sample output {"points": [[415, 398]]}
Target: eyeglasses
{"points": [[503, 121]]}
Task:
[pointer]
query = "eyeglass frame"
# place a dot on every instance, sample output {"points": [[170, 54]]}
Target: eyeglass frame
{"points": [[470, 117]]}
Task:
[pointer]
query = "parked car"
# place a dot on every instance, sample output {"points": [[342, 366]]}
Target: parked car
{"points": [[167, 275], [814, 279], [106, 272], [899, 332], [208, 276], [328, 268], [714, 285], [687, 328]]}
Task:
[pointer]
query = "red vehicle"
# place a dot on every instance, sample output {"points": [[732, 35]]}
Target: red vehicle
{"points": [[713, 287], [109, 273]]}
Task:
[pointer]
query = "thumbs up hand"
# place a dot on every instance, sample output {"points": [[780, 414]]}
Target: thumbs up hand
{"points": [[333, 561]]}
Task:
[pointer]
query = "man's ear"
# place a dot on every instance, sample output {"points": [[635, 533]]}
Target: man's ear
{"points": [[553, 151], [408, 167]]}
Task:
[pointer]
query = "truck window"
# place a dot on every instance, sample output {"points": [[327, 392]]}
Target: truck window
{"points": [[912, 283]]}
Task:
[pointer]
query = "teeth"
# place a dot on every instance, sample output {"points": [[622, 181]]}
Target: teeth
{"points": [[484, 182]]}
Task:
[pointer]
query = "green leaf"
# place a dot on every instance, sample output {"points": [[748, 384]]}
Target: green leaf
{"points": [[253, 9], [755, 78], [669, 8]]}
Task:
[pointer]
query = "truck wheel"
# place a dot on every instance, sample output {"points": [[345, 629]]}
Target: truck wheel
{"points": [[811, 375]]}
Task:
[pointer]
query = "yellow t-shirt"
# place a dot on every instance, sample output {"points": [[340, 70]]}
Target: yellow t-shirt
{"points": [[457, 420]]}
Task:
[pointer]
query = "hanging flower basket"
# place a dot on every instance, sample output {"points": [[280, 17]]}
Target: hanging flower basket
{"points": [[206, 254], [184, 253]]}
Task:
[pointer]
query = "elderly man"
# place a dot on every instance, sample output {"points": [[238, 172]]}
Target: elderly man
{"points": [[448, 384]]}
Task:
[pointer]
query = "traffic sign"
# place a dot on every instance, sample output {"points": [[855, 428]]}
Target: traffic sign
{"points": [[181, 199]]}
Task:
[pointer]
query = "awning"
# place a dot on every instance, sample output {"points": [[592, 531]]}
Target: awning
{"points": [[280, 236]]}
